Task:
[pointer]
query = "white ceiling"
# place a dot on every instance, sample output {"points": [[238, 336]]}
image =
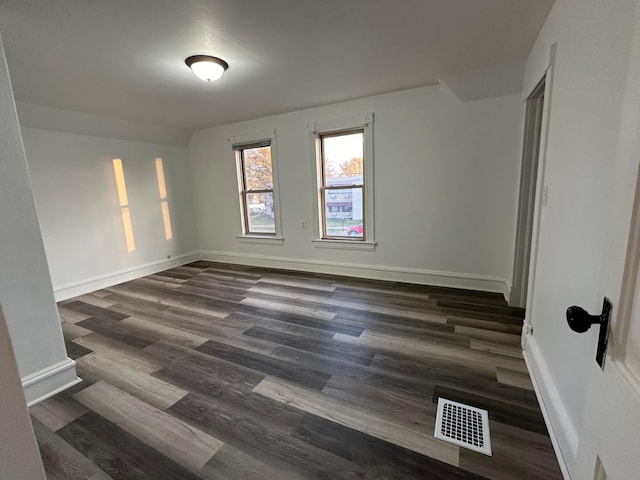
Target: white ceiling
{"points": [[125, 59]]}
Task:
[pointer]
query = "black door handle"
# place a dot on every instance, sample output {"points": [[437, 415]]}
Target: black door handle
{"points": [[580, 321]]}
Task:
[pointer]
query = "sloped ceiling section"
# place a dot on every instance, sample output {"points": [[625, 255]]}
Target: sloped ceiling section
{"points": [[59, 120], [493, 81], [126, 59]]}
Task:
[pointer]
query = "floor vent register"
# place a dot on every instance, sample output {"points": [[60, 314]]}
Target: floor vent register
{"points": [[463, 425]]}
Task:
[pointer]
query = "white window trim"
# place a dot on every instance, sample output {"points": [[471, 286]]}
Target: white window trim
{"points": [[365, 122], [344, 244], [243, 236], [266, 240]]}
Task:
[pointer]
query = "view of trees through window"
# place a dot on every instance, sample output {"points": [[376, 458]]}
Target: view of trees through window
{"points": [[342, 184], [258, 190]]}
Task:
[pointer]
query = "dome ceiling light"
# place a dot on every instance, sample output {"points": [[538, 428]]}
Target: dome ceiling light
{"points": [[206, 67]]}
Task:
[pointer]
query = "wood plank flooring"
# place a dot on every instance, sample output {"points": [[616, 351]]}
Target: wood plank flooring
{"points": [[215, 371]]}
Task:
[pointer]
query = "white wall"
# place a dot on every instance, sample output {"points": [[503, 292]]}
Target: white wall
{"points": [[593, 41], [26, 294], [19, 455], [80, 219], [445, 189]]}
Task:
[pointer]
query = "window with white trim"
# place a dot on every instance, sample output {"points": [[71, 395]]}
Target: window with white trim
{"points": [[342, 184], [342, 152], [257, 185]]}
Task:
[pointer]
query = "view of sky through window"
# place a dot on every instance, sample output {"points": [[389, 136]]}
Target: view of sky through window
{"points": [[343, 155]]}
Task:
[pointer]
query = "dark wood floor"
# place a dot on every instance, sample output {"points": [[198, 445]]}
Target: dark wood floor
{"points": [[227, 372]]}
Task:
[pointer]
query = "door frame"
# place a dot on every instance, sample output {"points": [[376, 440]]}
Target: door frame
{"points": [[532, 140], [552, 416], [541, 193]]}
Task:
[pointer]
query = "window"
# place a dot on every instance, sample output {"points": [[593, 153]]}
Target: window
{"points": [[257, 188], [342, 152], [342, 184]]}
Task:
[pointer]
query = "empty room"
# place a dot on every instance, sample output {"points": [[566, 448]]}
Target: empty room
{"points": [[298, 239]]}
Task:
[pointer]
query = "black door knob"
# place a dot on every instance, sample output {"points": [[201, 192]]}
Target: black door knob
{"points": [[580, 320]]}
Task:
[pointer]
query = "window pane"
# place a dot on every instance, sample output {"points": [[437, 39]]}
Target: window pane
{"points": [[343, 212], [257, 168], [260, 218], [342, 159]]}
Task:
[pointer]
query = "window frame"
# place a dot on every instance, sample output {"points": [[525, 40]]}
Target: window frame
{"points": [[239, 144], [245, 191], [318, 130], [323, 187]]}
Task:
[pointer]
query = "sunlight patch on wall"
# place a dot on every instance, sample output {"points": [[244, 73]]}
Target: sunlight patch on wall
{"points": [[120, 183], [164, 205], [128, 229], [162, 187], [121, 187], [167, 220]]}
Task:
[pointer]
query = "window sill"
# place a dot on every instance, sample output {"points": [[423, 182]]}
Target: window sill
{"points": [[344, 244], [260, 239]]}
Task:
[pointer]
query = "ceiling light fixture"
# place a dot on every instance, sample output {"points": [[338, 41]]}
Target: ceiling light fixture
{"points": [[206, 67]]}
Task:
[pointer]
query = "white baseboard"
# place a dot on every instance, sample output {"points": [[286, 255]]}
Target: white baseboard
{"points": [[506, 290], [398, 274], [88, 285], [564, 436], [49, 381]]}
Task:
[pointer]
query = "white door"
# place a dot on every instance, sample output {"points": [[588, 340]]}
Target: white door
{"points": [[609, 444]]}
